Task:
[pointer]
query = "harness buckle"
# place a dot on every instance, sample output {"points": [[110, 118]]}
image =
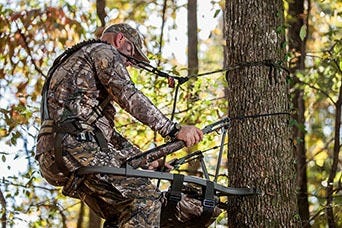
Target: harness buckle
{"points": [[209, 203], [70, 126], [85, 136], [175, 197], [81, 137]]}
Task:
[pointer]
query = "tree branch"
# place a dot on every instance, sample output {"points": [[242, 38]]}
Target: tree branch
{"points": [[100, 10], [162, 31], [33, 186], [318, 89], [28, 50], [4, 212]]}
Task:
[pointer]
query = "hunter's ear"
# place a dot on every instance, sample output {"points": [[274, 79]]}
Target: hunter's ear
{"points": [[119, 40]]}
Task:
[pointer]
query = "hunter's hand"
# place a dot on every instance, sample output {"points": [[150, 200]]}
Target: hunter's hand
{"points": [[159, 164], [191, 135]]}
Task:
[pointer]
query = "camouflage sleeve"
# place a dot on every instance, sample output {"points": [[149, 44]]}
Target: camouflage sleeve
{"points": [[113, 75]]}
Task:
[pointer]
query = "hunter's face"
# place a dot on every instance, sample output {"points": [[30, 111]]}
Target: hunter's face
{"points": [[127, 48]]}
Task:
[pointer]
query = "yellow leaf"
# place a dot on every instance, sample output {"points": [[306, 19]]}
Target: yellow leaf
{"points": [[3, 132], [321, 157]]}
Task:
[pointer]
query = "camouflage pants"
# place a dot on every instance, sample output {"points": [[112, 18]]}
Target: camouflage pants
{"points": [[136, 205], [121, 201]]}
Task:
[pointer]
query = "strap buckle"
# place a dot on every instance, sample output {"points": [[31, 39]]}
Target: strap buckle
{"points": [[175, 197], [209, 203], [82, 136], [85, 136], [70, 126]]}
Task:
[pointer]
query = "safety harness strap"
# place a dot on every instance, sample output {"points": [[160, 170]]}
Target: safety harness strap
{"points": [[101, 140], [208, 203], [60, 164], [58, 61], [69, 126], [176, 189], [73, 127], [173, 197]]}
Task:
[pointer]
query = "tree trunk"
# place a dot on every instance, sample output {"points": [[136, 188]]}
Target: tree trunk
{"points": [[161, 37], [192, 69], [299, 135], [101, 12], [260, 152], [192, 37], [335, 156], [297, 18]]}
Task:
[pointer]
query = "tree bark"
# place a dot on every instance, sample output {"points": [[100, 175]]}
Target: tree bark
{"points": [[297, 18], [161, 37], [260, 151], [336, 151], [100, 10], [192, 70], [192, 38]]}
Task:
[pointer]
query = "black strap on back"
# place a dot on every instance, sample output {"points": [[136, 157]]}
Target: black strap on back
{"points": [[70, 126], [60, 164], [59, 60], [73, 127], [101, 140]]}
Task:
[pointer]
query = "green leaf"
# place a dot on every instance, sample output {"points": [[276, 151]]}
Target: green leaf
{"points": [[302, 32], [293, 122], [217, 13], [3, 158]]}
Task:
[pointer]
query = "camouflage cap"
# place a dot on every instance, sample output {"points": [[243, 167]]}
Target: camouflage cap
{"points": [[132, 35]]}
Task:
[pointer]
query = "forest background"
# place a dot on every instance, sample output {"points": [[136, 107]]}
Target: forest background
{"points": [[33, 33]]}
